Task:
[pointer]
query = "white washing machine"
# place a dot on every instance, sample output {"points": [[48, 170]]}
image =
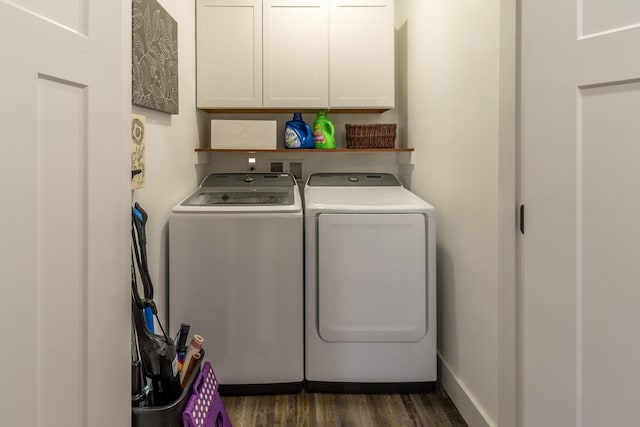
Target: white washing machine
{"points": [[236, 276], [370, 285]]}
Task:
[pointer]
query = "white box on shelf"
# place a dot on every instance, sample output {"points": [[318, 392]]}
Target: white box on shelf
{"points": [[244, 134]]}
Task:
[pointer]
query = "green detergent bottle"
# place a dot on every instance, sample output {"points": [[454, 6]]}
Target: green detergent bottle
{"points": [[323, 132]]}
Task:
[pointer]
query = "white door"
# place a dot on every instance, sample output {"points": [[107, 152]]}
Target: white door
{"points": [[64, 310], [580, 272]]}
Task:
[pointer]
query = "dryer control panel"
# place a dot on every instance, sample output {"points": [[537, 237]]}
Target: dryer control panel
{"points": [[353, 180]]}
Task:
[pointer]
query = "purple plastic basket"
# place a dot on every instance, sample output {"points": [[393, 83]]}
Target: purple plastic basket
{"points": [[205, 408]]}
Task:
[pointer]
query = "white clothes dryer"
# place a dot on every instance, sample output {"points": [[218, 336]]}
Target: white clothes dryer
{"points": [[236, 276], [370, 285]]}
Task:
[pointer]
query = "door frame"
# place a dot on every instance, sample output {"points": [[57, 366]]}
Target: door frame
{"points": [[509, 327]]}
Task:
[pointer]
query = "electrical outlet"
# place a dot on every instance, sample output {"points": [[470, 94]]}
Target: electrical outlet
{"points": [[251, 162]]}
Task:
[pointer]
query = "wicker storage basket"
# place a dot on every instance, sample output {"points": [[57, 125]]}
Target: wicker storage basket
{"points": [[371, 135]]}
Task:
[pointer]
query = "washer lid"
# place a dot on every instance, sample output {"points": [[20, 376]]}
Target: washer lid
{"points": [[356, 179], [240, 197], [244, 189], [240, 192]]}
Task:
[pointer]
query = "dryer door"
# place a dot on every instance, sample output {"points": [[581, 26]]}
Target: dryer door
{"points": [[372, 279]]}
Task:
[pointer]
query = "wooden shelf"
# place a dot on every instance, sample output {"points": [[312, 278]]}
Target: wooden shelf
{"points": [[306, 150], [403, 155], [294, 110]]}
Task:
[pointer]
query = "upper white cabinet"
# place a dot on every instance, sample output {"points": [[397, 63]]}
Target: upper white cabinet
{"points": [[229, 56], [361, 34], [295, 54]]}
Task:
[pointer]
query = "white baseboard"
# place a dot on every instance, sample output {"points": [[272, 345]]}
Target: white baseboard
{"points": [[468, 407]]}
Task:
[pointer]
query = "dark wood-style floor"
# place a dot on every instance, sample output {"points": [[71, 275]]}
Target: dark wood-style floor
{"points": [[343, 410]]}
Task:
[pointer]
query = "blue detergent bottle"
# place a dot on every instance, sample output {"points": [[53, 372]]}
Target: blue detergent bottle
{"points": [[297, 133]]}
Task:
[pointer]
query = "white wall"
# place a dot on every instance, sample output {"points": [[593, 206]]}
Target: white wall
{"points": [[170, 144], [453, 53]]}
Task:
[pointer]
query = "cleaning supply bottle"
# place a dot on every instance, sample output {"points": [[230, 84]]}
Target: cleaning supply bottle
{"points": [[194, 347], [297, 133], [323, 131]]}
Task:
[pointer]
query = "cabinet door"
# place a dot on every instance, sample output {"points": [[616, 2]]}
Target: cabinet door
{"points": [[229, 53], [362, 53], [295, 63]]}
